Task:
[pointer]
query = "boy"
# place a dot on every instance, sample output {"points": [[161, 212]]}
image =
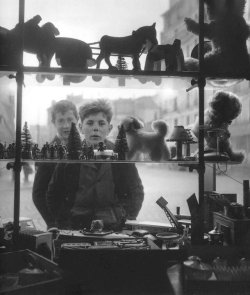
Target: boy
{"points": [[80, 193], [63, 113]]}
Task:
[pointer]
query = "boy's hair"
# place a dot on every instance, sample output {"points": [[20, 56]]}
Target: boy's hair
{"points": [[62, 107], [94, 107]]}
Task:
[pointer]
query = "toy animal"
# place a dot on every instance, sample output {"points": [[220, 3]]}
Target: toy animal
{"points": [[131, 45], [172, 54], [37, 40], [73, 53], [142, 142], [223, 108], [228, 32]]}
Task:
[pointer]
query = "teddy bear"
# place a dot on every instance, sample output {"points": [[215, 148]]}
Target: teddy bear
{"points": [[142, 143], [223, 108], [228, 32]]}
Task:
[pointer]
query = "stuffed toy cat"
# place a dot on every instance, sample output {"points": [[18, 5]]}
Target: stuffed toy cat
{"points": [[223, 108], [228, 32]]}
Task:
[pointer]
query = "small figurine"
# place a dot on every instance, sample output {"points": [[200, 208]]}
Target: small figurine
{"points": [[61, 150], [52, 152], [131, 45], [90, 153], [45, 151], [1, 151], [35, 152], [84, 150], [11, 151], [101, 147]]}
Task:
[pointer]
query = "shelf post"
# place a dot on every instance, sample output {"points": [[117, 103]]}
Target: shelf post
{"points": [[17, 164], [201, 86]]}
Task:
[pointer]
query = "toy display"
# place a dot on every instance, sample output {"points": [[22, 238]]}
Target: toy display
{"points": [[171, 54], [223, 108], [131, 45], [141, 142], [228, 32]]}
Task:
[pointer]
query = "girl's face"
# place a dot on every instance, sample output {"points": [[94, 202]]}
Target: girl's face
{"points": [[95, 128], [63, 123]]}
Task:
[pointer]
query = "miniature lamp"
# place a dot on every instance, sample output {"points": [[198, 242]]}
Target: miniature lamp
{"points": [[181, 136]]}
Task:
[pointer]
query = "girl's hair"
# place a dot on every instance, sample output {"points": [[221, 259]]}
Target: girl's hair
{"points": [[62, 107], [94, 107]]}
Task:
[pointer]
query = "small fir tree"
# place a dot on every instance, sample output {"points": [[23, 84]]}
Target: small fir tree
{"points": [[121, 63], [74, 143], [121, 144], [26, 142]]}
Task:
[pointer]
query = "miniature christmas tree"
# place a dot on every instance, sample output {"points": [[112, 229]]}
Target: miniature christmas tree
{"points": [[121, 144], [121, 63], [26, 142], [74, 143]]}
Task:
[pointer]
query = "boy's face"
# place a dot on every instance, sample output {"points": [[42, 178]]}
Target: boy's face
{"points": [[95, 128], [63, 123]]}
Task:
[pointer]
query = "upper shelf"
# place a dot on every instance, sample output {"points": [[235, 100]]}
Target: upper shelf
{"points": [[104, 78]]}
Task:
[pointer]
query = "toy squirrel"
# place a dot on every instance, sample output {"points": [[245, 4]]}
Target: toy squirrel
{"points": [[228, 32], [131, 45]]}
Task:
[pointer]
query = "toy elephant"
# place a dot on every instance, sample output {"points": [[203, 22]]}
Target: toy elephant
{"points": [[37, 40]]}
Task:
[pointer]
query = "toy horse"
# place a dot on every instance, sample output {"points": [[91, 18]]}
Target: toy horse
{"points": [[130, 45]]}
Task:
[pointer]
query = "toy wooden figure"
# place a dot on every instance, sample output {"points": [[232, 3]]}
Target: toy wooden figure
{"points": [[61, 151], [35, 152], [73, 53], [131, 45], [1, 151], [90, 154], [172, 54], [101, 146]]}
